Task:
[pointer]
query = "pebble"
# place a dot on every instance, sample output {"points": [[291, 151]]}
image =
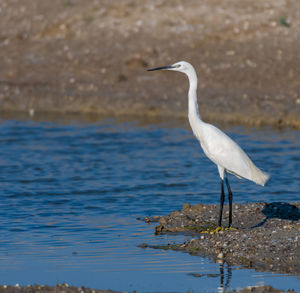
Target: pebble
{"points": [[274, 239], [220, 255], [31, 112]]}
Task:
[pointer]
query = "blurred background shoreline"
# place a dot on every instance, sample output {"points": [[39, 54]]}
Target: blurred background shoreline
{"points": [[91, 57]]}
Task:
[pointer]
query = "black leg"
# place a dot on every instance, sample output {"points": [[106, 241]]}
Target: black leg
{"points": [[228, 279], [222, 275], [230, 202], [222, 198]]}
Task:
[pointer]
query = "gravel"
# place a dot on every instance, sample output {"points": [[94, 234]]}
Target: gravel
{"points": [[267, 235], [65, 288], [59, 288]]}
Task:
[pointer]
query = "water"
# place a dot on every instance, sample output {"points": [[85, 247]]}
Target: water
{"points": [[71, 193]]}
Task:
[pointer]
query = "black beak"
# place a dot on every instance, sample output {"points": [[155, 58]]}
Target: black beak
{"points": [[160, 68]]}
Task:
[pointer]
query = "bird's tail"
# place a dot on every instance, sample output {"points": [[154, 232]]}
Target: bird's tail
{"points": [[257, 175], [262, 178]]}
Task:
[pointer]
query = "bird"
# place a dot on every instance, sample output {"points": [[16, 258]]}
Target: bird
{"points": [[217, 146]]}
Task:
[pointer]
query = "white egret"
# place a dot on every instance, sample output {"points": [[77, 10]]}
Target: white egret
{"points": [[218, 147]]}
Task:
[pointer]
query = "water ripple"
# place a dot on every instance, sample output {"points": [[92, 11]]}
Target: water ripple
{"points": [[70, 195]]}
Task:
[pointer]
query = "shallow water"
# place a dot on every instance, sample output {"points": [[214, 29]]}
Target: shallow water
{"points": [[71, 193]]}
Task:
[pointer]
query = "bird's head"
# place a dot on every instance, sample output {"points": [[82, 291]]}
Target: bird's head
{"points": [[181, 66]]}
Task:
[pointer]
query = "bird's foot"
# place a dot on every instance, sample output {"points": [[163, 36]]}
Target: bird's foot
{"points": [[213, 231], [219, 229]]}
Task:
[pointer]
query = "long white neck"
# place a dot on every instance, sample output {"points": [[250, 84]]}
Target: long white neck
{"points": [[193, 105]]}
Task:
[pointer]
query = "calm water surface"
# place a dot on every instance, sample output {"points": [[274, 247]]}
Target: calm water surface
{"points": [[71, 193]]}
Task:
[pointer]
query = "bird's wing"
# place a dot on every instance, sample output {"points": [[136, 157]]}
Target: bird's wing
{"points": [[223, 151]]}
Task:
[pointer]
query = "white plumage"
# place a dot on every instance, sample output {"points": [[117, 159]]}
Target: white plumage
{"points": [[218, 147], [226, 154]]}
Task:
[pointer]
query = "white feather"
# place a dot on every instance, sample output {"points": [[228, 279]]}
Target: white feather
{"points": [[220, 148], [226, 153]]}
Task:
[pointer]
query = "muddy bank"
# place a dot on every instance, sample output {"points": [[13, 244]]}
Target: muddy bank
{"points": [[59, 288], [267, 236], [91, 57], [71, 289]]}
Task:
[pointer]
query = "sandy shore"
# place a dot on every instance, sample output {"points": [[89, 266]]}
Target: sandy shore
{"points": [[60, 288], [267, 237], [76, 56], [71, 289]]}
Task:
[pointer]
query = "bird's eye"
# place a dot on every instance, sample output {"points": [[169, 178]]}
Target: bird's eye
{"points": [[178, 65]]}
